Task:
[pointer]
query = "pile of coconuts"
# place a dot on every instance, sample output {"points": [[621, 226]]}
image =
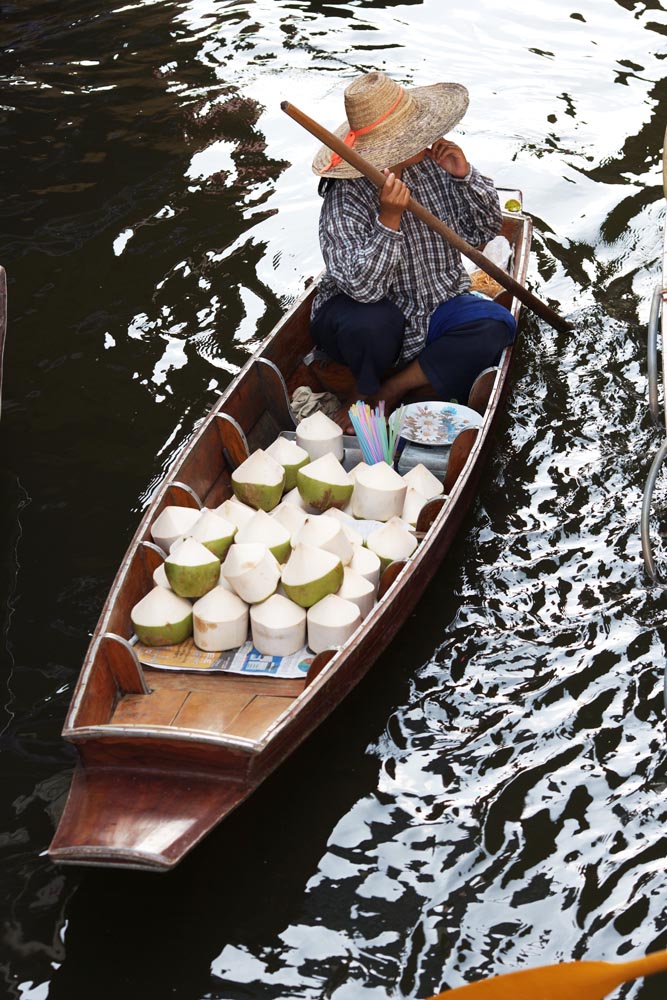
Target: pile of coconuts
{"points": [[282, 558]]}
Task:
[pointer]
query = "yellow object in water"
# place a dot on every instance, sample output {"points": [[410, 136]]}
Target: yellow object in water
{"points": [[566, 981]]}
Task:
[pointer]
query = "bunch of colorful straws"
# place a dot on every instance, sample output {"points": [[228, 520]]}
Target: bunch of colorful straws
{"points": [[377, 436]]}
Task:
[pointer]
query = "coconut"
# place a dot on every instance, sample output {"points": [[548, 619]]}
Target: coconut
{"points": [[172, 523], [290, 516], [348, 522], [318, 434], [259, 481], [423, 480], [331, 622], [379, 493], [192, 569], [311, 574], [235, 512], [328, 534], [214, 532], [160, 577], [392, 541], [355, 469], [359, 590], [293, 498], [278, 626], [220, 620], [367, 564], [414, 501], [162, 618], [324, 483], [252, 570], [288, 454], [270, 532]]}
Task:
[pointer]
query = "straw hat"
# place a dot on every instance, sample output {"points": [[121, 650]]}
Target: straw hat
{"points": [[387, 123]]}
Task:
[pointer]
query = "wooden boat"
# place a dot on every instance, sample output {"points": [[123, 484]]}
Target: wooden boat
{"points": [[164, 756]]}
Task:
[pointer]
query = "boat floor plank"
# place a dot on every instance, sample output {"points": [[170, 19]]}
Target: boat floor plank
{"points": [[256, 718], [182, 681], [213, 713], [159, 708]]}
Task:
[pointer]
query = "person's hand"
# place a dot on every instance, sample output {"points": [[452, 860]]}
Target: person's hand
{"points": [[394, 198], [450, 157]]}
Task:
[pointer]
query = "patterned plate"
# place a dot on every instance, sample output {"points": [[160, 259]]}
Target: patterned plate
{"points": [[437, 423]]}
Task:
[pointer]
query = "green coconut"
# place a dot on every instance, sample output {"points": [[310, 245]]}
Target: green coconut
{"points": [[392, 541], [292, 458], [214, 532], [264, 528], [162, 618], [192, 569], [324, 483], [259, 481], [311, 574]]}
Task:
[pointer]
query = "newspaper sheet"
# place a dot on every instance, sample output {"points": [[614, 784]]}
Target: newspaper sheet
{"points": [[244, 660]]}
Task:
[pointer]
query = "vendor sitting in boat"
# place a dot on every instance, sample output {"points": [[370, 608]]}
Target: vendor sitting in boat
{"points": [[394, 304]]}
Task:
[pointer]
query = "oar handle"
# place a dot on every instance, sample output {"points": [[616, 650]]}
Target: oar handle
{"points": [[655, 962], [378, 178]]}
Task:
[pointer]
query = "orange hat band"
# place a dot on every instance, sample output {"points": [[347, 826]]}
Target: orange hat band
{"points": [[351, 136]]}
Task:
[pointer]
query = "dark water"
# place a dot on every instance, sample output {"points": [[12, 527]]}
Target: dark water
{"points": [[493, 794]]}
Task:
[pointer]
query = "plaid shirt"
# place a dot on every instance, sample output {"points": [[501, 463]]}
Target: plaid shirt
{"points": [[414, 267]]}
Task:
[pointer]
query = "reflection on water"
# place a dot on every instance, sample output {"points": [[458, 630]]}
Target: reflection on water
{"points": [[492, 796]]}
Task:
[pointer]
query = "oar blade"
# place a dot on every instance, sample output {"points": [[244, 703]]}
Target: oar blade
{"points": [[565, 981]]}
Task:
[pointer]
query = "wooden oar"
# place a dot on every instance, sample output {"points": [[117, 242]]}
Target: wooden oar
{"points": [[378, 178], [566, 981]]}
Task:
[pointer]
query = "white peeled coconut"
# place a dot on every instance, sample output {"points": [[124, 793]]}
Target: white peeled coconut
{"points": [[331, 622], [192, 569], [267, 530], [259, 481], [235, 512], [324, 483], [367, 564], [319, 435], [172, 523], [327, 534], [310, 574], [288, 454], [290, 516], [348, 523], [278, 626], [162, 618], [214, 532], [252, 570], [423, 480], [160, 577], [220, 620], [414, 501], [224, 582], [358, 589], [379, 493], [392, 541], [355, 469]]}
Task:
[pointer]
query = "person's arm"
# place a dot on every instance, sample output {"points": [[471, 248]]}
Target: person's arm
{"points": [[360, 250], [472, 199]]}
